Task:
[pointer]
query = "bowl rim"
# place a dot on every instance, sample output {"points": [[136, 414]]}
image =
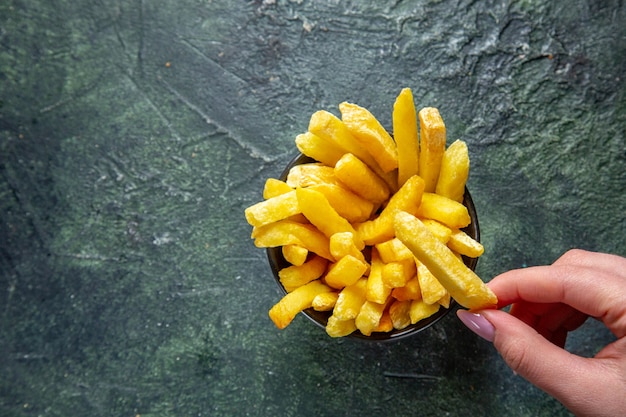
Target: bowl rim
{"points": [[320, 318]]}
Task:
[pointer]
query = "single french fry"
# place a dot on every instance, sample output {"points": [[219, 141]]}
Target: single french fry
{"points": [[464, 244], [399, 311], [460, 281], [397, 274], [407, 198], [449, 212], [348, 205], [283, 312], [276, 208], [369, 317], [320, 149], [385, 324], [339, 328], [371, 135], [410, 291], [295, 276], [376, 290], [419, 310], [342, 244], [295, 254], [440, 230], [313, 173], [274, 187], [393, 250], [454, 171], [345, 272], [432, 146], [322, 215], [359, 178], [405, 135], [350, 300], [325, 301], [287, 232], [431, 288]]}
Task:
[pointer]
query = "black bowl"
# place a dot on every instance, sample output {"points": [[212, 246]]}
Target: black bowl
{"points": [[320, 318]]}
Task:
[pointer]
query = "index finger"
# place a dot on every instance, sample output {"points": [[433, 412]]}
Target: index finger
{"points": [[592, 291]]}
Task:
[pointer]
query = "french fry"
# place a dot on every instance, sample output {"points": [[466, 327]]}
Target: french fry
{"points": [[460, 281], [441, 231], [376, 290], [371, 135], [305, 175], [283, 312], [405, 135], [325, 301], [393, 250], [432, 146], [350, 300], [449, 212], [463, 244], [342, 244], [347, 204], [345, 272], [455, 165], [322, 150], [296, 276], [339, 328], [274, 187], [276, 208], [322, 215], [410, 291], [397, 274], [359, 178], [287, 232], [295, 254], [419, 310], [399, 311], [431, 288], [369, 317], [385, 324]]}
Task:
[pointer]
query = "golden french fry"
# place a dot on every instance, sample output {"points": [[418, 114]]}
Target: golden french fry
{"points": [[397, 274], [441, 231], [460, 281], [449, 212], [410, 291], [406, 199], [313, 173], [347, 204], [339, 328], [463, 244], [369, 317], [371, 135], [322, 215], [376, 290], [385, 324], [419, 310], [359, 178], [393, 250], [455, 165], [350, 300], [432, 146], [320, 149], [287, 232], [325, 301], [405, 135], [274, 187], [295, 254], [431, 288], [276, 208], [295, 276], [445, 300], [283, 312], [345, 272], [342, 244], [399, 311]]}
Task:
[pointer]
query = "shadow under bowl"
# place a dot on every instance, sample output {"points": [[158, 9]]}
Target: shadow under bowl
{"points": [[320, 318]]}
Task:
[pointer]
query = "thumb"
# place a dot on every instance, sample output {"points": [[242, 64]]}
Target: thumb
{"points": [[571, 379]]}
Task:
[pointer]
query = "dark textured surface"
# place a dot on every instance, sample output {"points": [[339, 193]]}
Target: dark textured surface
{"points": [[134, 133]]}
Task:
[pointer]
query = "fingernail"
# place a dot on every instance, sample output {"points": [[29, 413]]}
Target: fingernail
{"points": [[477, 323]]}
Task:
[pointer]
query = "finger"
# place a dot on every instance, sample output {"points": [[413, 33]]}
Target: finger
{"points": [[592, 292], [553, 321], [599, 261], [579, 383]]}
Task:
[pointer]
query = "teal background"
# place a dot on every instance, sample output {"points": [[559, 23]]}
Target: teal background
{"points": [[134, 133]]}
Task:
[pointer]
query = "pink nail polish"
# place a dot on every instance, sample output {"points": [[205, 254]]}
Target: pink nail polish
{"points": [[477, 323]]}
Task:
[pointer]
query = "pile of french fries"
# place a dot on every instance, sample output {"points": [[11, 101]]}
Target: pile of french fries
{"points": [[372, 229]]}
